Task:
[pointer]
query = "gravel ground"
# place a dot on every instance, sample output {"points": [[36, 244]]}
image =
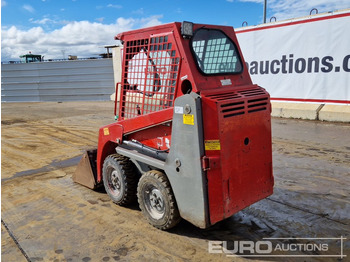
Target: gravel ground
{"points": [[47, 217]]}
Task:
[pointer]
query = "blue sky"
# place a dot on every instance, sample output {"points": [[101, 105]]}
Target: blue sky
{"points": [[58, 28]]}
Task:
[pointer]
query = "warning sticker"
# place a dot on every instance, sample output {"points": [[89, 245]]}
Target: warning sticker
{"points": [[212, 145], [106, 131], [188, 119]]}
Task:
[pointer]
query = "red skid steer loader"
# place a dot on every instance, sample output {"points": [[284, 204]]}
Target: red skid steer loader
{"points": [[192, 138]]}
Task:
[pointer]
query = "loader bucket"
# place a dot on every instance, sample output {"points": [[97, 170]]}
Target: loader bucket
{"points": [[86, 172]]}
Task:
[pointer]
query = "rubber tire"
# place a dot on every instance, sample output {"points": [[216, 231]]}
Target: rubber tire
{"points": [[128, 178], [158, 180]]}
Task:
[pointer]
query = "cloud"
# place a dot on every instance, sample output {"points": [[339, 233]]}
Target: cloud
{"points": [[81, 38], [139, 11], [287, 9], [43, 21], [28, 8], [253, 1], [114, 6], [150, 21], [48, 22], [178, 10], [100, 19], [3, 3], [296, 8]]}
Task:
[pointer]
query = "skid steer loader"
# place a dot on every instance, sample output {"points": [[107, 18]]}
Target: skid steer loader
{"points": [[192, 138]]}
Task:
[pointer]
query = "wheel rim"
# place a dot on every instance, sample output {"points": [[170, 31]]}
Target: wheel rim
{"points": [[154, 202], [115, 182]]}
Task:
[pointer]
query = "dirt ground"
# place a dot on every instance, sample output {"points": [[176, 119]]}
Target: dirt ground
{"points": [[47, 217]]}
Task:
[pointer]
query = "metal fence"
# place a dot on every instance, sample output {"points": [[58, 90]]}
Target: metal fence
{"points": [[77, 80]]}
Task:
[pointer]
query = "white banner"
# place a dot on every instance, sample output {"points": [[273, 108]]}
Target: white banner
{"points": [[301, 60]]}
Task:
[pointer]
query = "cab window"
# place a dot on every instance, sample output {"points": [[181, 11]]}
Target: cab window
{"points": [[215, 53]]}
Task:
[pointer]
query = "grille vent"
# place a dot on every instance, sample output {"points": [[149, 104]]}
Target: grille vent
{"points": [[241, 102]]}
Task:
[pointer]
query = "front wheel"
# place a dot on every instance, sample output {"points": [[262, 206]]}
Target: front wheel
{"points": [[119, 179], [157, 201]]}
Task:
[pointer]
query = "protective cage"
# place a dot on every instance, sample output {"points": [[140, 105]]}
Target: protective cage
{"points": [[150, 73]]}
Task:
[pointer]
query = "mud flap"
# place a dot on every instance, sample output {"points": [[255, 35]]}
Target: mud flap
{"points": [[86, 172]]}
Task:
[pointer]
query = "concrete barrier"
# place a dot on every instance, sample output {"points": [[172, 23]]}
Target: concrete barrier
{"points": [[317, 111], [296, 110], [335, 113]]}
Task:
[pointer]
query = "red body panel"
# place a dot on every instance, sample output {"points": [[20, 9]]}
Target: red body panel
{"points": [[241, 171]]}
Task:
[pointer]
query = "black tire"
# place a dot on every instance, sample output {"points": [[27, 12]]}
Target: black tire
{"points": [[157, 201], [120, 179]]}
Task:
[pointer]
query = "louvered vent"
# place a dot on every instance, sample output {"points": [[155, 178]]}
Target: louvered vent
{"points": [[241, 102], [233, 109], [257, 104]]}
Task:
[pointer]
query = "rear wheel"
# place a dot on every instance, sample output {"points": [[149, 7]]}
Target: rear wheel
{"points": [[120, 179], [157, 201]]}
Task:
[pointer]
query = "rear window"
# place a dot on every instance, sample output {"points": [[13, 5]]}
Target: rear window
{"points": [[215, 52]]}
